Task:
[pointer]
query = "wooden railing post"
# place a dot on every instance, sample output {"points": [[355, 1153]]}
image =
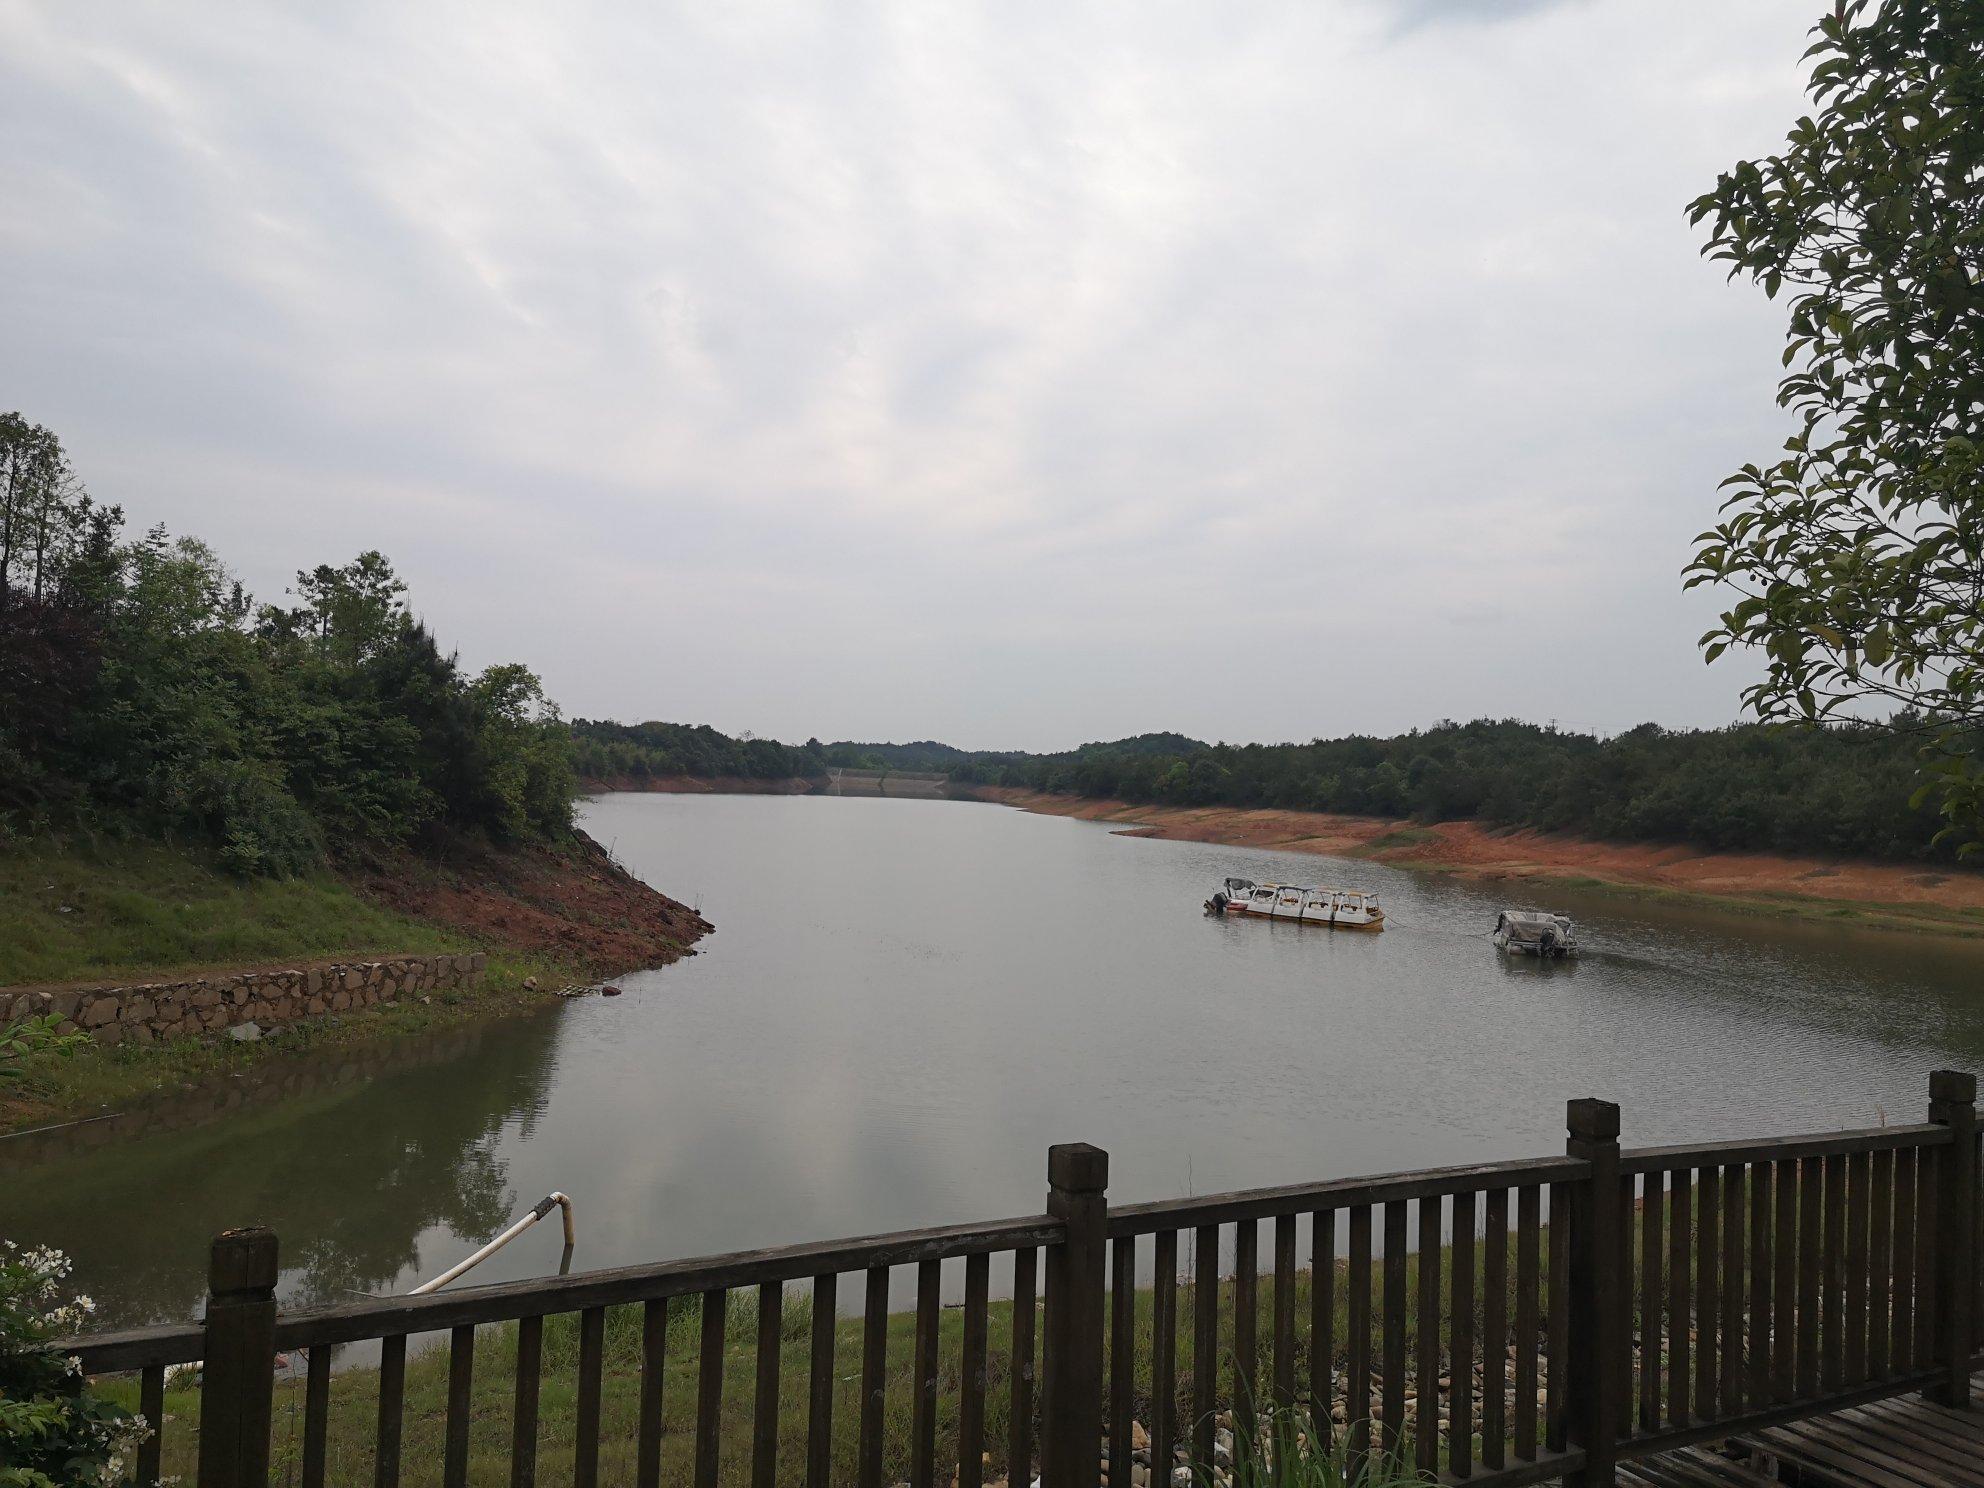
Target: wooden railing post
{"points": [[1594, 1396], [1953, 1103], [237, 1372], [1071, 1369]]}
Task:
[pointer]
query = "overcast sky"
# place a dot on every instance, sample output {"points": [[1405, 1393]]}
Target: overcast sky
{"points": [[1012, 374]]}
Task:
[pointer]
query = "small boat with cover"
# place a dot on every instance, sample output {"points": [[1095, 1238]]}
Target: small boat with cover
{"points": [[1333, 909], [1535, 932]]}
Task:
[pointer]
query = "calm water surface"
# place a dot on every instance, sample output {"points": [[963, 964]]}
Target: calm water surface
{"points": [[905, 1002]]}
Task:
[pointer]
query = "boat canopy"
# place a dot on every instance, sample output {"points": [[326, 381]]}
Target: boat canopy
{"points": [[1532, 924]]}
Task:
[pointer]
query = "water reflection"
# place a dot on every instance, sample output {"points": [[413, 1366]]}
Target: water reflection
{"points": [[351, 1157]]}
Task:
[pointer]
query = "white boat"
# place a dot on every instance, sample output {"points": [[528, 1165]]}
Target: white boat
{"points": [[1334, 909], [1535, 932]]}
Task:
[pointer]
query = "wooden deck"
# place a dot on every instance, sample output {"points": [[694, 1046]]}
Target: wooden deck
{"points": [[1902, 1443]]}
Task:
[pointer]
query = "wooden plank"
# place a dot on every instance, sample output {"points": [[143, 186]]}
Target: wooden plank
{"points": [[316, 1420], [923, 1402], [1730, 1310], [1246, 1355], [1284, 1312], [1811, 1187], [1680, 1296], [1832, 1296], [1357, 1323], [1426, 1420], [461, 1388], [1812, 1444], [1761, 1179], [1880, 1261], [1344, 1193], [1784, 1282], [654, 1372], [972, 1372], [1391, 1324], [1945, 1451], [1529, 1275], [1627, 1232], [1902, 1327], [1163, 1354], [1744, 1151], [1495, 1330], [392, 1398], [1927, 1221], [1653, 1197], [1708, 1290], [1020, 1370], [764, 1400], [523, 1408], [1122, 1350], [1859, 1175], [1556, 1382], [1205, 1342], [1322, 1321], [585, 1425], [874, 1377], [1460, 1428]]}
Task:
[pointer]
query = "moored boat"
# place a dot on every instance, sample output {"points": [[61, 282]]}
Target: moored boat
{"points": [[1296, 904], [1535, 932]]}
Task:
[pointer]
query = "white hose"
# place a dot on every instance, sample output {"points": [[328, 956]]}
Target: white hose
{"points": [[552, 1200]]}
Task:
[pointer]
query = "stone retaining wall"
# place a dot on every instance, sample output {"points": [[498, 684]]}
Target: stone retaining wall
{"points": [[152, 1012]]}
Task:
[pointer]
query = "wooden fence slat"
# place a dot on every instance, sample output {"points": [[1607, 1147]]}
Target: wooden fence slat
{"points": [[1021, 1368], [461, 1388], [1284, 1311], [1246, 1355], [1495, 1329], [1731, 1309], [523, 1410], [1902, 1356], [820, 1383], [1426, 1415], [764, 1400], [874, 1377], [1680, 1295], [709, 1388], [585, 1428], [1832, 1317], [392, 1399], [1928, 1166], [1784, 1284], [971, 1372], [1761, 1182], [1859, 1221], [1205, 1343], [654, 1372], [1628, 1233], [1460, 1410], [1357, 1369], [1554, 1384], [1392, 1330], [1122, 1352], [1322, 1322], [923, 1404], [316, 1420], [1529, 1274], [1163, 1356], [1708, 1290], [1811, 1185], [1653, 1256], [1880, 1261]]}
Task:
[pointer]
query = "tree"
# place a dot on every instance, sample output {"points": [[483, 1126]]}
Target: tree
{"points": [[1858, 554]]}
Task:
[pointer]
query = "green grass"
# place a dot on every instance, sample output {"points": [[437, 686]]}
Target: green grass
{"points": [[128, 909]]}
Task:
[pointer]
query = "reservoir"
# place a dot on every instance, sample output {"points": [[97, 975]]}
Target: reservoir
{"points": [[906, 1002]]}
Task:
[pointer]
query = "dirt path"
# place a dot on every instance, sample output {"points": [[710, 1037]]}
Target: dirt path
{"points": [[1915, 896]]}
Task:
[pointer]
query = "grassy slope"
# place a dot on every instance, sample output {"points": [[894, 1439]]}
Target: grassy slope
{"points": [[128, 910]]}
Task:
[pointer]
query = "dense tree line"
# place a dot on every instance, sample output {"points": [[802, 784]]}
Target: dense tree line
{"points": [[141, 688], [636, 752]]}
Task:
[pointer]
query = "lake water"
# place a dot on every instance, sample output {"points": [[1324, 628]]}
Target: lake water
{"points": [[906, 1002]]}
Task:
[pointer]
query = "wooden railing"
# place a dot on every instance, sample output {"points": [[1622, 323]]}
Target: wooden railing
{"points": [[1615, 1303]]}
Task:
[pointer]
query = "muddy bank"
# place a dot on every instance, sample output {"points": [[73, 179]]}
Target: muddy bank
{"points": [[704, 785], [1911, 895], [571, 902]]}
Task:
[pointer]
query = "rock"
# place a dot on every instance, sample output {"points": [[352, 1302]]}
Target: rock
{"points": [[530, 984], [1181, 1477], [245, 1033], [609, 991], [1139, 1438]]}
